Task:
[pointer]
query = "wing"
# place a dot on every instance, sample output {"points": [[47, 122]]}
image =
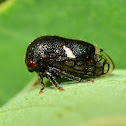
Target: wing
{"points": [[73, 66], [97, 65]]}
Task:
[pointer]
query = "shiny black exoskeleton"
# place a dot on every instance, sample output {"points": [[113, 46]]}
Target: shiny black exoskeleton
{"points": [[69, 58]]}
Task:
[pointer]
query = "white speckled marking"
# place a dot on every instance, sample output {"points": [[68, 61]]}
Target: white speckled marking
{"points": [[68, 52]]}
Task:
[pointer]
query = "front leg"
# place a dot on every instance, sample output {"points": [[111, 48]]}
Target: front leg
{"points": [[43, 86], [53, 80]]}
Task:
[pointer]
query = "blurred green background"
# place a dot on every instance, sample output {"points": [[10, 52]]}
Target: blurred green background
{"points": [[101, 22]]}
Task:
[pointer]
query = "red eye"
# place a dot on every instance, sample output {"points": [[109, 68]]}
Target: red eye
{"points": [[31, 64]]}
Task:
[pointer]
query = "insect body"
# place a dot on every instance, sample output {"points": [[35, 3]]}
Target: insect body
{"points": [[69, 58]]}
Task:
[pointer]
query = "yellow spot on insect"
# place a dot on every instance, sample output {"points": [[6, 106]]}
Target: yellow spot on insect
{"points": [[97, 50]]}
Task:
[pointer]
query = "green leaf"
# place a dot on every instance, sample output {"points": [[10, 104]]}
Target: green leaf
{"points": [[99, 103], [100, 22]]}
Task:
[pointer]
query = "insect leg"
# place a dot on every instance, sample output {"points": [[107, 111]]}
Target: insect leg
{"points": [[43, 86], [53, 80], [71, 77]]}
